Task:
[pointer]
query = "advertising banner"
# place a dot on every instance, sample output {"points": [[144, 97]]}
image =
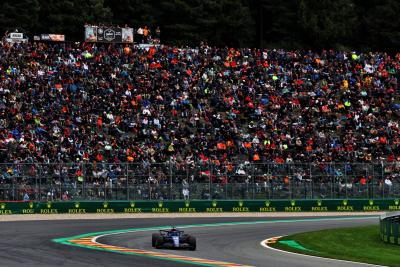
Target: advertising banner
{"points": [[52, 37], [16, 37], [127, 35], [108, 34], [194, 206], [90, 34]]}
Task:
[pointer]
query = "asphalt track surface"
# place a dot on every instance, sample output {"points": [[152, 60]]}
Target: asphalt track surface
{"points": [[30, 243]]}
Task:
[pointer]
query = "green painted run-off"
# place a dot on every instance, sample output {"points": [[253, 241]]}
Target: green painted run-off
{"points": [[293, 244]]}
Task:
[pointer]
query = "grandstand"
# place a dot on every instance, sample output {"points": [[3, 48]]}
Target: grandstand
{"points": [[90, 120]]}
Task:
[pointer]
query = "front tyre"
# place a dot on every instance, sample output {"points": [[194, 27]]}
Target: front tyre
{"points": [[192, 243]]}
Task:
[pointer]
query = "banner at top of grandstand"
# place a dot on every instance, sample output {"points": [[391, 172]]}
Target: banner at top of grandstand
{"points": [[16, 37], [108, 34], [52, 37]]}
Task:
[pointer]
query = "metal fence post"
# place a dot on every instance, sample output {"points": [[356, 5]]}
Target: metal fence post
{"points": [[311, 179], [253, 187], [105, 188], [36, 188], [59, 179], [209, 180], [366, 178], [149, 184], [345, 179], [187, 179], [13, 188], [83, 181], [171, 182], [40, 187], [287, 168], [332, 175], [373, 181], [271, 190], [382, 179], [127, 181]]}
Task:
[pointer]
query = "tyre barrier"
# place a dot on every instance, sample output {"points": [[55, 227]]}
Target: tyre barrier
{"points": [[203, 206], [390, 228]]}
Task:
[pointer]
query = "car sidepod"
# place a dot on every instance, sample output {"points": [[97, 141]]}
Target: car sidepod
{"points": [[176, 241]]}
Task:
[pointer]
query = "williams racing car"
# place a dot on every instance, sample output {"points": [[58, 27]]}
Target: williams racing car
{"points": [[173, 238]]}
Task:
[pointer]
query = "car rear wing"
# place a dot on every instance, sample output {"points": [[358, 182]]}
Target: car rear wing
{"points": [[166, 232]]}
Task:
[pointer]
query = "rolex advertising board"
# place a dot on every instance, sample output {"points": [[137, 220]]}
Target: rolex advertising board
{"points": [[198, 206]]}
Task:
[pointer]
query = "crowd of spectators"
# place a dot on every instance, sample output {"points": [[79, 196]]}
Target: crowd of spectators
{"points": [[112, 103], [116, 103]]}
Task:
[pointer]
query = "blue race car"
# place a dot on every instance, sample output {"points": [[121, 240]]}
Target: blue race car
{"points": [[173, 238]]}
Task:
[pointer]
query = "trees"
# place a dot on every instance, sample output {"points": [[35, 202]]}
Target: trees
{"points": [[355, 24], [133, 12], [222, 22], [226, 22], [22, 15], [69, 16], [177, 21], [381, 24], [277, 23], [328, 23]]}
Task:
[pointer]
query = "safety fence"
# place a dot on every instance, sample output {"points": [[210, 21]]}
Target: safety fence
{"points": [[201, 181], [390, 228], [178, 206]]}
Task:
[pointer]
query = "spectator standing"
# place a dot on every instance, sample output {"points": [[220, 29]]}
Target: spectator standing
{"points": [[158, 35], [140, 35], [185, 189], [146, 35]]}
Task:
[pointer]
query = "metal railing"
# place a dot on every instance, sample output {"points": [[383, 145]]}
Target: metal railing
{"points": [[107, 181], [390, 228]]}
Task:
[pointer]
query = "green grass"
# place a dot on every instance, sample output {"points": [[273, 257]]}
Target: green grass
{"points": [[361, 244]]}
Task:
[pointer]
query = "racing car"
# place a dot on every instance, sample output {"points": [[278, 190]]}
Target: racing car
{"points": [[173, 238]]}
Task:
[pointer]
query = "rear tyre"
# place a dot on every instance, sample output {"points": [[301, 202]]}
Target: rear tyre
{"points": [[192, 243], [154, 239], [159, 242]]}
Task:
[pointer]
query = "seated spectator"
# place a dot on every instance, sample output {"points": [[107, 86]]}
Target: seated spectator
{"points": [[77, 103]]}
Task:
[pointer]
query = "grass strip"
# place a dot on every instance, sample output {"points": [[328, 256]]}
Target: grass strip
{"points": [[361, 244]]}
